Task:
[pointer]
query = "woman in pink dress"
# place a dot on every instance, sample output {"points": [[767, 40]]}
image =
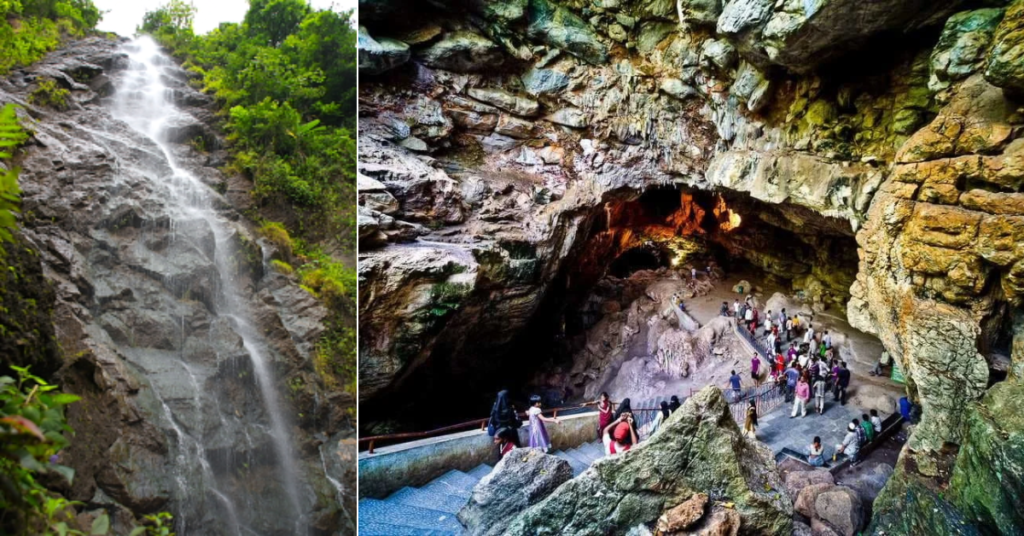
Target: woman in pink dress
{"points": [[604, 413]]}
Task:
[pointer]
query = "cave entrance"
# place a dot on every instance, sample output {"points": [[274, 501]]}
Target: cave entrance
{"points": [[662, 236], [646, 257]]}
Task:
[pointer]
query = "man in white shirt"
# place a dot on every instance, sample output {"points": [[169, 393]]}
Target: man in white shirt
{"points": [[850, 445], [809, 336], [876, 422], [827, 339]]}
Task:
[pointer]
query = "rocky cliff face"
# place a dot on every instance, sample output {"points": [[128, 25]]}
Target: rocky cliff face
{"points": [[171, 417], [501, 140]]}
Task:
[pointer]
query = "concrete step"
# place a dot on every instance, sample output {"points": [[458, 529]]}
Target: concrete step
{"points": [[593, 450], [385, 529], [480, 471], [584, 455], [577, 466], [459, 480], [394, 513], [445, 488], [425, 499], [575, 454]]}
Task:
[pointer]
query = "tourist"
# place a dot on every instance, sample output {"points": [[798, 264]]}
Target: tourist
{"points": [[809, 334], [813, 368], [819, 389], [815, 454], [503, 415], [750, 424], [693, 273], [768, 322], [673, 403], [505, 439], [780, 364], [604, 413], [869, 429], [653, 426], [804, 359], [782, 317], [538, 433], [792, 375], [842, 383], [755, 369], [724, 311], [827, 340], [770, 342], [883, 361], [803, 395], [736, 308], [851, 443], [620, 435], [734, 382], [792, 353], [789, 329], [624, 407], [862, 435], [876, 421]]}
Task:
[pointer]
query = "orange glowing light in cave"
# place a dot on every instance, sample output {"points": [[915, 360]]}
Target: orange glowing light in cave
{"points": [[728, 220]]}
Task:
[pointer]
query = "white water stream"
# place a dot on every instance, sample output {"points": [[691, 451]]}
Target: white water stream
{"points": [[143, 101]]}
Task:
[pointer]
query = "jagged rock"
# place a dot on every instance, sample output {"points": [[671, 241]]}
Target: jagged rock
{"points": [[462, 52], [699, 448], [521, 479], [1007, 55], [751, 86], [676, 88], [801, 36], [506, 101], [570, 117], [560, 28], [700, 11], [718, 53], [539, 81], [840, 508], [377, 56], [685, 515], [963, 46]]}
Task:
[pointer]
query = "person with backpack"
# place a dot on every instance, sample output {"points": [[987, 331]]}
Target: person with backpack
{"points": [[869, 428], [503, 415]]}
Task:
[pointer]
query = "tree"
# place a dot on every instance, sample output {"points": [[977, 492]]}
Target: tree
{"points": [[172, 17], [274, 20]]}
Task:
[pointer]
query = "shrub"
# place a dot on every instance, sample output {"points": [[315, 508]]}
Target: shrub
{"points": [[48, 93]]}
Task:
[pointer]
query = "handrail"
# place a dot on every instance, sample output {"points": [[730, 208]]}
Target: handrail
{"points": [[372, 440]]}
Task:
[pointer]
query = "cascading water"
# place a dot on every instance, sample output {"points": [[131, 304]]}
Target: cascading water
{"points": [[208, 429]]}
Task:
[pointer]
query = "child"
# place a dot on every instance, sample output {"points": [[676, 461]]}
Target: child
{"points": [[604, 415], [504, 441], [815, 455], [538, 433]]}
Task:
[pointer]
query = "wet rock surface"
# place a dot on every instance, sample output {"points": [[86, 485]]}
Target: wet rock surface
{"points": [[138, 317]]}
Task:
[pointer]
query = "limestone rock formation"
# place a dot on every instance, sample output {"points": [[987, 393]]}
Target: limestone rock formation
{"points": [[699, 449], [521, 479], [1007, 54]]}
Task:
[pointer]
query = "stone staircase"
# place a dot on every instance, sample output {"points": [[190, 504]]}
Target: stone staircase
{"points": [[431, 509]]}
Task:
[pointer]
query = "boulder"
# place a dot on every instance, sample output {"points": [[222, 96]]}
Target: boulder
{"points": [[1006, 58], [521, 479], [544, 81], [840, 509], [506, 101], [698, 449], [377, 56], [462, 52], [806, 497], [685, 515], [703, 12], [798, 480]]}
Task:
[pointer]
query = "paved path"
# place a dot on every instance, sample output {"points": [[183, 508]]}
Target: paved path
{"points": [[779, 431]]}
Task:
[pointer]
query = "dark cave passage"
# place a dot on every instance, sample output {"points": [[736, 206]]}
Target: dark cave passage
{"points": [[646, 257]]}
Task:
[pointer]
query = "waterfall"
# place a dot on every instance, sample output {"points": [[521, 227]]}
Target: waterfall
{"points": [[210, 495]]}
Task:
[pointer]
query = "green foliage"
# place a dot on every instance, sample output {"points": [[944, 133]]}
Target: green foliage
{"points": [[287, 77], [11, 136], [282, 267], [279, 236], [31, 28], [48, 93], [446, 298], [32, 428]]}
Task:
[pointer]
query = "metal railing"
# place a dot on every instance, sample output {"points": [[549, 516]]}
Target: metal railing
{"points": [[640, 414], [766, 397]]}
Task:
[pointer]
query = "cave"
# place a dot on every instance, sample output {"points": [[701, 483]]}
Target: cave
{"points": [[657, 231]]}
